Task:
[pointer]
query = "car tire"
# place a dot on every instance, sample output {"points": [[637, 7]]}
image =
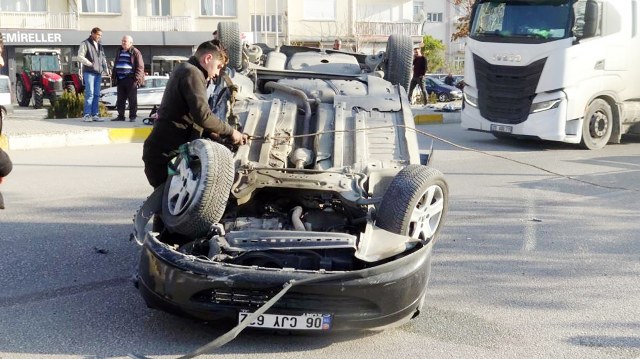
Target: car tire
{"points": [[415, 203], [443, 97], [399, 63], [597, 125], [38, 96], [22, 96], [229, 36], [196, 196]]}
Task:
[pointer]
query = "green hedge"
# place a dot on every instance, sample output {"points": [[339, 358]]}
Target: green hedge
{"points": [[71, 105]]}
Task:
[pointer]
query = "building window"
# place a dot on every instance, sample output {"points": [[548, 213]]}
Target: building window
{"points": [[418, 11], [23, 5], [160, 8], [261, 23], [218, 7], [101, 6], [319, 10], [434, 17]]}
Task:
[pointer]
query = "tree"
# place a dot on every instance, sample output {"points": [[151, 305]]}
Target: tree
{"points": [[462, 26], [433, 50]]}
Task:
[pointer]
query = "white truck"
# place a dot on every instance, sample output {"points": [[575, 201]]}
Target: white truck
{"points": [[559, 70]]}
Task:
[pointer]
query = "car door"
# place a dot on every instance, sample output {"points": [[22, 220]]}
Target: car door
{"points": [[151, 93]]}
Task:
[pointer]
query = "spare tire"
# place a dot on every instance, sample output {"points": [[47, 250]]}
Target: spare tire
{"points": [[415, 203], [398, 67], [195, 197], [229, 36]]}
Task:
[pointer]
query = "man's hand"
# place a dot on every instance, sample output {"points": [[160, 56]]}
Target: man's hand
{"points": [[238, 138]]}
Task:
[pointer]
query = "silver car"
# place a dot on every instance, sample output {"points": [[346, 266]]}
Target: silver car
{"points": [[149, 95]]}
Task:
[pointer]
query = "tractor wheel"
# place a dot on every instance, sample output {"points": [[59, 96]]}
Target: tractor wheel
{"points": [[22, 96], [38, 96]]}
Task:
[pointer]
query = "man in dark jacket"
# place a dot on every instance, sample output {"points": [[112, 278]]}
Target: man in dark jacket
{"points": [[5, 167], [94, 63], [185, 113], [419, 69], [128, 75]]}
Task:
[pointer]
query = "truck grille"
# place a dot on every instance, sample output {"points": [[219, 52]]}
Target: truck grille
{"points": [[505, 93], [245, 299]]}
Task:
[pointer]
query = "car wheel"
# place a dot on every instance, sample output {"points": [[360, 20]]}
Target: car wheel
{"points": [[195, 197], [399, 64], [597, 125], [229, 36], [443, 97], [415, 203], [38, 96], [22, 96]]}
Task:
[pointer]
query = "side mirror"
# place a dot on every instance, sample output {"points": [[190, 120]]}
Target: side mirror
{"points": [[590, 19]]}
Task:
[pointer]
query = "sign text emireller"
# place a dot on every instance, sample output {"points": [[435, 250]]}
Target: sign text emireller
{"points": [[31, 37]]}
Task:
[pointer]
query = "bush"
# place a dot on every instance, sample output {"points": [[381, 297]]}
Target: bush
{"points": [[433, 98], [71, 105]]}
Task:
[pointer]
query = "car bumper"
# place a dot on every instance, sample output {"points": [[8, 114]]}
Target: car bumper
{"points": [[373, 298]]}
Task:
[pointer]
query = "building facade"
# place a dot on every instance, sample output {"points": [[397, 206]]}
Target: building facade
{"points": [[174, 27]]}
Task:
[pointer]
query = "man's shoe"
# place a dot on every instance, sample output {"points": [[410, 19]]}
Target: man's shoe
{"points": [[97, 118], [87, 118], [118, 119]]}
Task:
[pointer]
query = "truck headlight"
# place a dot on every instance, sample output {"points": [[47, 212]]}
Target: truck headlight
{"points": [[470, 100], [545, 105]]}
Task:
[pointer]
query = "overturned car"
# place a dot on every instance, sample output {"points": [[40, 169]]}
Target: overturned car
{"points": [[325, 220]]}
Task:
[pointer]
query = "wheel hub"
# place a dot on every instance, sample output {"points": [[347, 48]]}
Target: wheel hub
{"points": [[598, 125], [426, 214]]}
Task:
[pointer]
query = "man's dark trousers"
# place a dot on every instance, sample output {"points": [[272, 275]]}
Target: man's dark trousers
{"points": [[127, 91]]}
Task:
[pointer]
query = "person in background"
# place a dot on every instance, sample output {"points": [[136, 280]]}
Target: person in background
{"points": [[94, 63], [128, 75], [419, 70], [449, 80], [337, 44], [5, 162]]}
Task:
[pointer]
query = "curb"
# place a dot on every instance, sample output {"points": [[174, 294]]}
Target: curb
{"points": [[436, 118], [102, 136]]}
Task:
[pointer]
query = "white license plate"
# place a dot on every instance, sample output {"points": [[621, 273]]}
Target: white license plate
{"points": [[502, 128], [291, 322]]}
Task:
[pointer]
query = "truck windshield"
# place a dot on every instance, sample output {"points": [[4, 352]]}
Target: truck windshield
{"points": [[525, 21]]}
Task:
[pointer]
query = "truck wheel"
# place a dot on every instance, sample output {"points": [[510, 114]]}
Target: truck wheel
{"points": [[22, 96], [399, 61], [415, 203], [229, 36], [38, 96], [196, 196], [597, 125]]}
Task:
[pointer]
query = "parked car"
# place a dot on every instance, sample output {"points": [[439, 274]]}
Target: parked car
{"points": [[6, 107], [443, 91], [324, 221], [149, 95]]}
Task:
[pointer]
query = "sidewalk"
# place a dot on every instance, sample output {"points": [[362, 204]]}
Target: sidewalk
{"points": [[27, 128]]}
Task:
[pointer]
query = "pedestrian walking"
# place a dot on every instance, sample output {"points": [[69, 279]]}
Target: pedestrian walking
{"points": [[337, 44], [128, 75], [449, 80], [419, 70], [94, 63]]}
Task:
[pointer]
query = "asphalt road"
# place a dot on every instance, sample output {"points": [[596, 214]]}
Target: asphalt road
{"points": [[539, 258]]}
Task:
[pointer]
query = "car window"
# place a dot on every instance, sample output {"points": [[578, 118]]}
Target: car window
{"points": [[160, 82], [4, 85]]}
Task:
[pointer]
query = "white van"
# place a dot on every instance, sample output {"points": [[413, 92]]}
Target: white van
{"points": [[5, 96]]}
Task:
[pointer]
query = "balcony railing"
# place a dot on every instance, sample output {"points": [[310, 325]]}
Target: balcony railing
{"points": [[29, 20], [164, 23], [367, 28]]}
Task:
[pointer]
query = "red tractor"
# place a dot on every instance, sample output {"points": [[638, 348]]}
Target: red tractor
{"points": [[40, 77]]}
